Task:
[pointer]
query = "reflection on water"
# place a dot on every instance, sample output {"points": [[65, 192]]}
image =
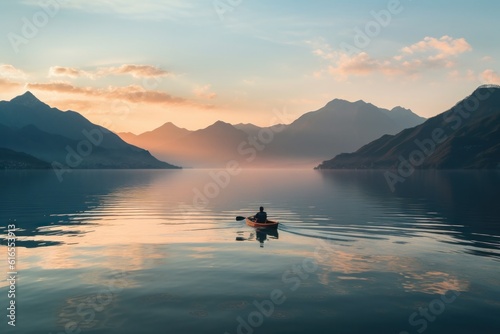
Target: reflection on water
{"points": [[193, 268], [259, 234]]}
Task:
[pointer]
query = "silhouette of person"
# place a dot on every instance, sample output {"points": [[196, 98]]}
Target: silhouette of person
{"points": [[261, 216], [261, 237]]}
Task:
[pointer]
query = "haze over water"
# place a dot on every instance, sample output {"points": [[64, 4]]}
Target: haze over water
{"points": [[129, 252]]}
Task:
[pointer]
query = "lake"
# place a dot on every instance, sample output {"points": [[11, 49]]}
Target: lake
{"points": [[157, 252]]}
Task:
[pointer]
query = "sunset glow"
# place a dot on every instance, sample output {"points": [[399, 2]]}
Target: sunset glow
{"points": [[134, 66]]}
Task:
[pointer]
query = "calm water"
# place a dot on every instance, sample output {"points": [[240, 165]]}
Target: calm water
{"points": [[144, 252]]}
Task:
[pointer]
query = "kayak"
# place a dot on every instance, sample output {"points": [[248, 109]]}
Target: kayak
{"points": [[268, 224]]}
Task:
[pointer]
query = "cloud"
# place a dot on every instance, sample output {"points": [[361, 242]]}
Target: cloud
{"points": [[445, 46], [9, 71], [204, 92], [363, 64], [132, 93], [59, 71], [491, 77], [360, 64], [136, 10], [80, 105], [137, 71], [429, 54], [321, 48], [10, 77], [7, 85]]}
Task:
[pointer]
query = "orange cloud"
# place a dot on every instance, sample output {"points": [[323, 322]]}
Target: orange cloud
{"points": [[430, 53], [6, 84], [10, 76], [446, 46], [132, 93], [59, 71], [491, 77], [73, 104], [363, 64], [137, 71]]}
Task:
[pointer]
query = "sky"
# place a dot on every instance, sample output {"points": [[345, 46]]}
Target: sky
{"points": [[135, 65]]}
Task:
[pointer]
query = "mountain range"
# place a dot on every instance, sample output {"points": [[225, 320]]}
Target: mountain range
{"points": [[337, 127], [64, 139], [467, 136], [34, 135]]}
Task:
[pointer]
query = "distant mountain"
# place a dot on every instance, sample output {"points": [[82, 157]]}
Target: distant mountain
{"points": [[31, 126], [466, 136], [403, 117], [253, 130], [248, 128], [17, 160], [337, 127], [216, 135], [166, 133], [217, 144], [213, 146]]}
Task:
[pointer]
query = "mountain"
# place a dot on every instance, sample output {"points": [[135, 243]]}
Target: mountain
{"points": [[248, 128], [158, 141], [403, 117], [466, 136], [166, 133], [66, 138], [253, 130], [213, 146], [339, 126], [26, 110], [17, 160]]}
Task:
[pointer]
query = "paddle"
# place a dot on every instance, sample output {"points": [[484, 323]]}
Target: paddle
{"points": [[238, 218]]}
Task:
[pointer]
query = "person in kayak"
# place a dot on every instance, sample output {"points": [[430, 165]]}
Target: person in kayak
{"points": [[261, 216]]}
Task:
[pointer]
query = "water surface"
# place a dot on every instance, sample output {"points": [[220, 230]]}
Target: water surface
{"points": [[156, 252]]}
